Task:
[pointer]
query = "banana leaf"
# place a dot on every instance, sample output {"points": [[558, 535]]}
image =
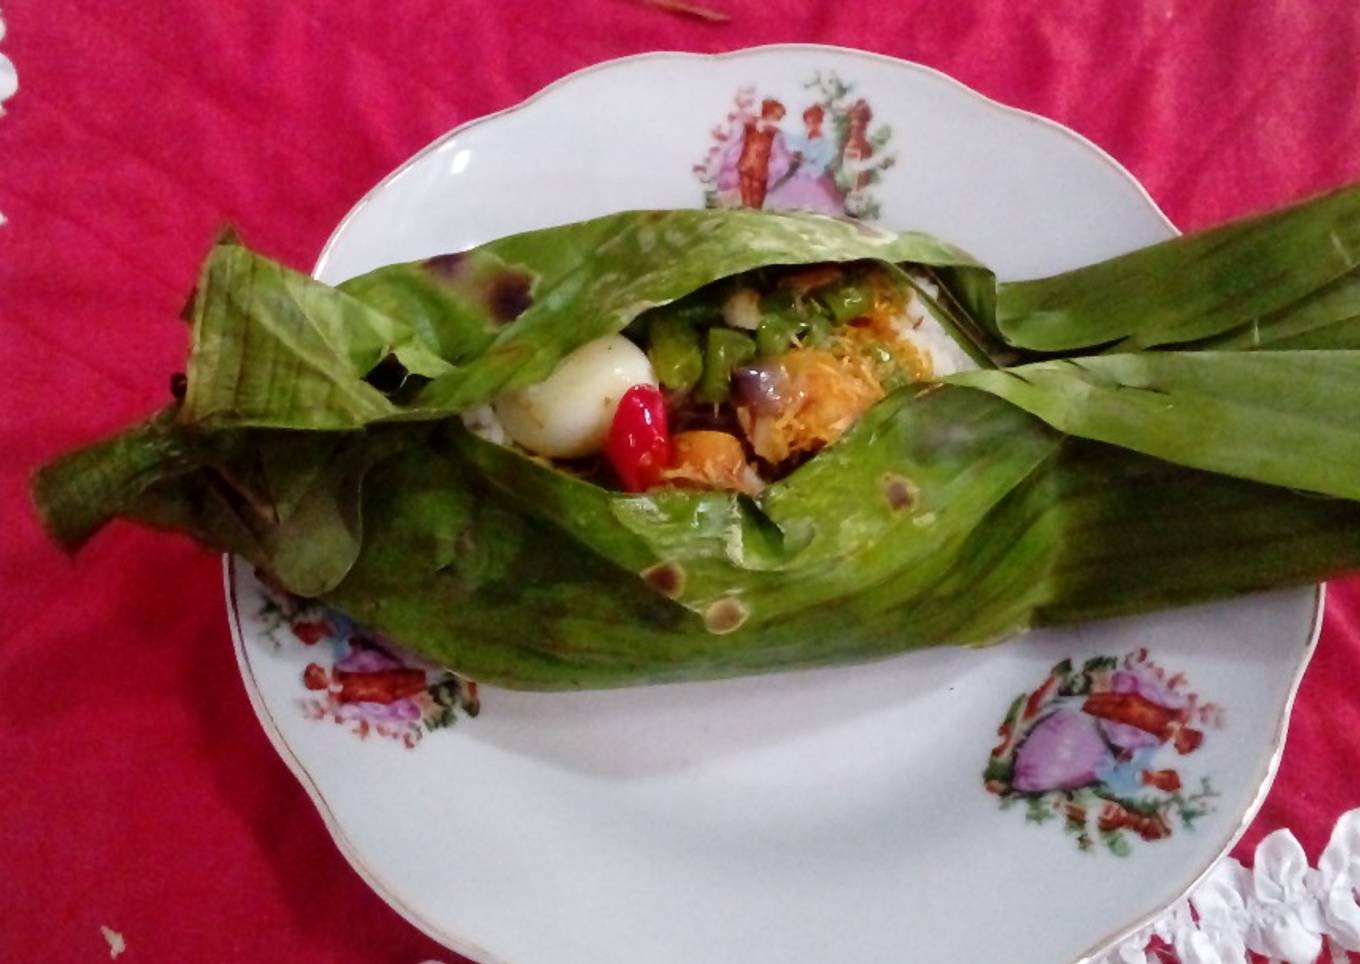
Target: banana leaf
{"points": [[1093, 531], [1255, 271], [1165, 458], [1283, 417]]}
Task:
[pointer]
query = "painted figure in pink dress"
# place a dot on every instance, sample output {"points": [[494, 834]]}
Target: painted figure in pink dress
{"points": [[809, 185]]}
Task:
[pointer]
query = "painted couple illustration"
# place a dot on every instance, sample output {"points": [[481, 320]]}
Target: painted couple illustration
{"points": [[826, 164]]}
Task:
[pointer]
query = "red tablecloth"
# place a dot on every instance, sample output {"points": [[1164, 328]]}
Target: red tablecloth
{"points": [[137, 790]]}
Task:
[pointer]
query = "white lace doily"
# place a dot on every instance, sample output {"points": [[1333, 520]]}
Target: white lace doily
{"points": [[1281, 908]]}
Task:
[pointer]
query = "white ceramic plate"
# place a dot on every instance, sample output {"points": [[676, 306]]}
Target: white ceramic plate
{"points": [[833, 815]]}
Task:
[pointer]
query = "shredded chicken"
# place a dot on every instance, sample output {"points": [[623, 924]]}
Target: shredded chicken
{"points": [[825, 393], [825, 390], [887, 330]]}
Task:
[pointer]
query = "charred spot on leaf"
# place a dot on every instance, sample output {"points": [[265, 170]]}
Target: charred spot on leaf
{"points": [[179, 386], [667, 578], [484, 283], [446, 265], [725, 615], [509, 296], [900, 491], [388, 375]]}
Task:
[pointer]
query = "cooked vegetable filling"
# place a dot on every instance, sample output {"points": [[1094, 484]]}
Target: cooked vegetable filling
{"points": [[736, 384]]}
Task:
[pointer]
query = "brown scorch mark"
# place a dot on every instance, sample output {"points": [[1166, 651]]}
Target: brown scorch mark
{"points": [[667, 578]]}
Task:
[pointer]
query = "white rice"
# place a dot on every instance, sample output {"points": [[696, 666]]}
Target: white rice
{"points": [[919, 326]]}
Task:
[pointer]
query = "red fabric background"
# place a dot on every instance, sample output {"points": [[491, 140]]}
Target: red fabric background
{"points": [[137, 789]]}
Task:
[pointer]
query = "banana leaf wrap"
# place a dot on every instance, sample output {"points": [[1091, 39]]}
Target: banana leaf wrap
{"points": [[1171, 426]]}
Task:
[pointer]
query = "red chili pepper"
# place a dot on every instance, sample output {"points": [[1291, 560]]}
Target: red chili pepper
{"points": [[639, 444]]}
